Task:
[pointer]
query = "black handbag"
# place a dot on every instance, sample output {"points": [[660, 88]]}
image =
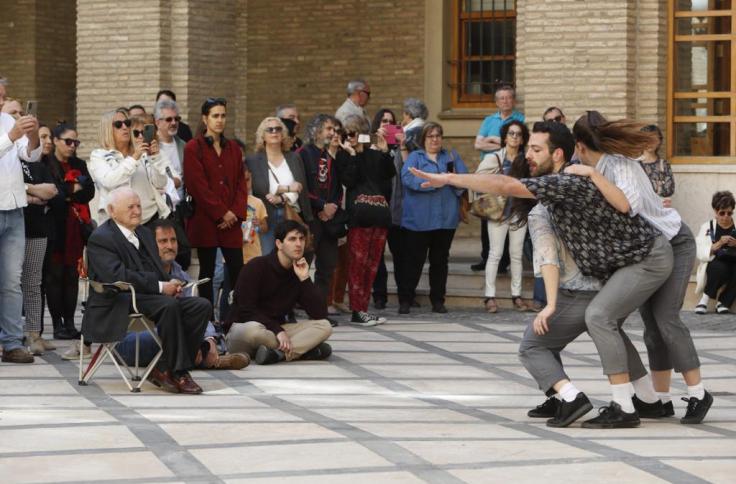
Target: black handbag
{"points": [[185, 209], [337, 226]]}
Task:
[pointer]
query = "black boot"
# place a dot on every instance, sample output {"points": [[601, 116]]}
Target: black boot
{"points": [[70, 330], [60, 331]]}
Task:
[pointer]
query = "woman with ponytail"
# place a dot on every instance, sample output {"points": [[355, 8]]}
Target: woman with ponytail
{"points": [[607, 151]]}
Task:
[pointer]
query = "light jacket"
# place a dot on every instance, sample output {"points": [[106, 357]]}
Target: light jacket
{"points": [[703, 243]]}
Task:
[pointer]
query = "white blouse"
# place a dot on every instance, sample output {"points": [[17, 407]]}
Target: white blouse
{"points": [[283, 177]]}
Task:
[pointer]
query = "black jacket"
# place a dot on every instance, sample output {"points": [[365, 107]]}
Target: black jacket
{"points": [[111, 258], [366, 173], [60, 211], [37, 216], [323, 179]]}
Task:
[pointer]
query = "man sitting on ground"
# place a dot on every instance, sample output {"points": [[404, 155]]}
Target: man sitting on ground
{"points": [[121, 250], [268, 288], [208, 356]]}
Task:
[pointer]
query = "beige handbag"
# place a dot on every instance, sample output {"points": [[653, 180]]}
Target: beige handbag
{"points": [[487, 205]]}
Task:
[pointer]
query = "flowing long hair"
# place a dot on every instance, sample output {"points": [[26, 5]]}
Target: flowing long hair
{"points": [[621, 137]]}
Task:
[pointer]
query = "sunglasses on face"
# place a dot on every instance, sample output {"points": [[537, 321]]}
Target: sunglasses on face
{"points": [[515, 134], [119, 124], [724, 213], [71, 142], [171, 119], [351, 134], [137, 133], [387, 121], [274, 129]]}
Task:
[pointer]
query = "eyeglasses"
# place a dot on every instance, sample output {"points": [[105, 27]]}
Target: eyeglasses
{"points": [[119, 124], [274, 129], [724, 213], [515, 134], [434, 136], [387, 121], [71, 141], [171, 119]]}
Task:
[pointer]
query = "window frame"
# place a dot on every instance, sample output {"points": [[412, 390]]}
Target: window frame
{"points": [[460, 19], [673, 95]]}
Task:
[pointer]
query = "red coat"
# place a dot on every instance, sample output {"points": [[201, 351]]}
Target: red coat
{"points": [[217, 184]]}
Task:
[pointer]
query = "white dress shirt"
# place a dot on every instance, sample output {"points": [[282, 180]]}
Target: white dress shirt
{"points": [[133, 239], [12, 188]]}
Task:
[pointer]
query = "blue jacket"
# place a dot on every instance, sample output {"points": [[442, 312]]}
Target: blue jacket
{"points": [[427, 209]]}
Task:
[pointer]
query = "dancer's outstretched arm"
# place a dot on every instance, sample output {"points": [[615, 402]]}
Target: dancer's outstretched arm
{"points": [[496, 184]]}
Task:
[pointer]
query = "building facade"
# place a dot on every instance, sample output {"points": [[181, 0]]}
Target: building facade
{"points": [[668, 62]]}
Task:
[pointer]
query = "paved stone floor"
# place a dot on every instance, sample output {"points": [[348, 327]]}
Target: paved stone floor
{"points": [[420, 399]]}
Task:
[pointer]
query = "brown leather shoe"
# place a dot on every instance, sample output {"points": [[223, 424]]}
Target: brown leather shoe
{"points": [[163, 380], [18, 355], [519, 304], [232, 361], [187, 385]]}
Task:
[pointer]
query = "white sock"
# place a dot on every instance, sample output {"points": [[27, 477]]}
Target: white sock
{"points": [[704, 299], [697, 391], [557, 396], [664, 396], [622, 395], [569, 392], [644, 389]]}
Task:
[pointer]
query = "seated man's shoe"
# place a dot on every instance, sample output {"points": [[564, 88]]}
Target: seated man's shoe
{"points": [[548, 409], [697, 409], [319, 352], [648, 410], [73, 352], [186, 385], [232, 361], [613, 417], [17, 355], [267, 356], [668, 409], [568, 412], [404, 308], [480, 266], [163, 380], [439, 308]]}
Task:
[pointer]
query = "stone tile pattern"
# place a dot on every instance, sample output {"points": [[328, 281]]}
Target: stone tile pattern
{"points": [[419, 399]]}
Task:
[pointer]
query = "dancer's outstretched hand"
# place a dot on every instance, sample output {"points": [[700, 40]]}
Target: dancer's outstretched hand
{"points": [[540, 322], [580, 169], [435, 180]]}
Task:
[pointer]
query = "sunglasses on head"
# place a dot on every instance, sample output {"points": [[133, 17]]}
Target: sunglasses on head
{"points": [[119, 124], [274, 129], [71, 142], [171, 119], [723, 213]]}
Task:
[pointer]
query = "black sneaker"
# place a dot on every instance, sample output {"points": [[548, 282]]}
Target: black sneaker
{"points": [[697, 409], [648, 410], [568, 412], [668, 410], [404, 308], [439, 308], [548, 409], [333, 322], [612, 417], [480, 266], [319, 352], [267, 356], [362, 318], [379, 304]]}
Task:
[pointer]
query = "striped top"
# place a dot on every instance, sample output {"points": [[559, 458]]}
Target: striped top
{"points": [[630, 177]]}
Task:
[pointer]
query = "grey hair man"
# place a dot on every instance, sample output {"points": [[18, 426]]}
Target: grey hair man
{"points": [[359, 93], [489, 134], [166, 114]]}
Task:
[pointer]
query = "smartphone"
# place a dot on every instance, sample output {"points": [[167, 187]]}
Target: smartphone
{"points": [[450, 167], [149, 131], [391, 131], [32, 108], [364, 138]]}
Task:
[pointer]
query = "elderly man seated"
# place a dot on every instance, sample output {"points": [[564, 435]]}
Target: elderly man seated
{"points": [[208, 355], [122, 250], [268, 288]]}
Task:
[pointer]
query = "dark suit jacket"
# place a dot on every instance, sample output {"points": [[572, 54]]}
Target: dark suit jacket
{"points": [[111, 258], [258, 166]]}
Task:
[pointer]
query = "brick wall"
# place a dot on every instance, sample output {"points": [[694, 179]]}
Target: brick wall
{"points": [[38, 50]]}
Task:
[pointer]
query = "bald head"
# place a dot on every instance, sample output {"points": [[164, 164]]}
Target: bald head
{"points": [[124, 207]]}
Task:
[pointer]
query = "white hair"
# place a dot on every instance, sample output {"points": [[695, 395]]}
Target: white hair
{"points": [[164, 104], [355, 85], [118, 194]]}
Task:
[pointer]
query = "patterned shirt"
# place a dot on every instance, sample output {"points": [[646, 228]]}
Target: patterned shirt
{"points": [[660, 174], [600, 239]]}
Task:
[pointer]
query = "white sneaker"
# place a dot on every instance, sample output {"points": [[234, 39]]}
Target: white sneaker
{"points": [[73, 352], [721, 309], [362, 318]]}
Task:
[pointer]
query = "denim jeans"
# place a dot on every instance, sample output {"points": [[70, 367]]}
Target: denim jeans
{"points": [[12, 251], [268, 239]]}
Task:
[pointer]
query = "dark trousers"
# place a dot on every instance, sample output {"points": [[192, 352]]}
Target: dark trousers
{"points": [[417, 245], [233, 264], [325, 251], [61, 286], [181, 323], [721, 273], [380, 284]]}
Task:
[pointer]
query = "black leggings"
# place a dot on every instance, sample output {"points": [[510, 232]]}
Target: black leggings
{"points": [[233, 264], [61, 285]]}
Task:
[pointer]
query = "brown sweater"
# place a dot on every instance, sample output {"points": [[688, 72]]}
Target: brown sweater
{"points": [[266, 292]]}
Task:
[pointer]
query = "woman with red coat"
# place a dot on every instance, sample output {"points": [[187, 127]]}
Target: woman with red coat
{"points": [[214, 177]]}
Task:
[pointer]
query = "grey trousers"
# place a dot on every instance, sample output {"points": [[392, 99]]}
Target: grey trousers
{"points": [[626, 290], [667, 338], [540, 354]]}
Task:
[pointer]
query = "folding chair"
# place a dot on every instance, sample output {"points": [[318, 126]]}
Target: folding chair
{"points": [[138, 323]]}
